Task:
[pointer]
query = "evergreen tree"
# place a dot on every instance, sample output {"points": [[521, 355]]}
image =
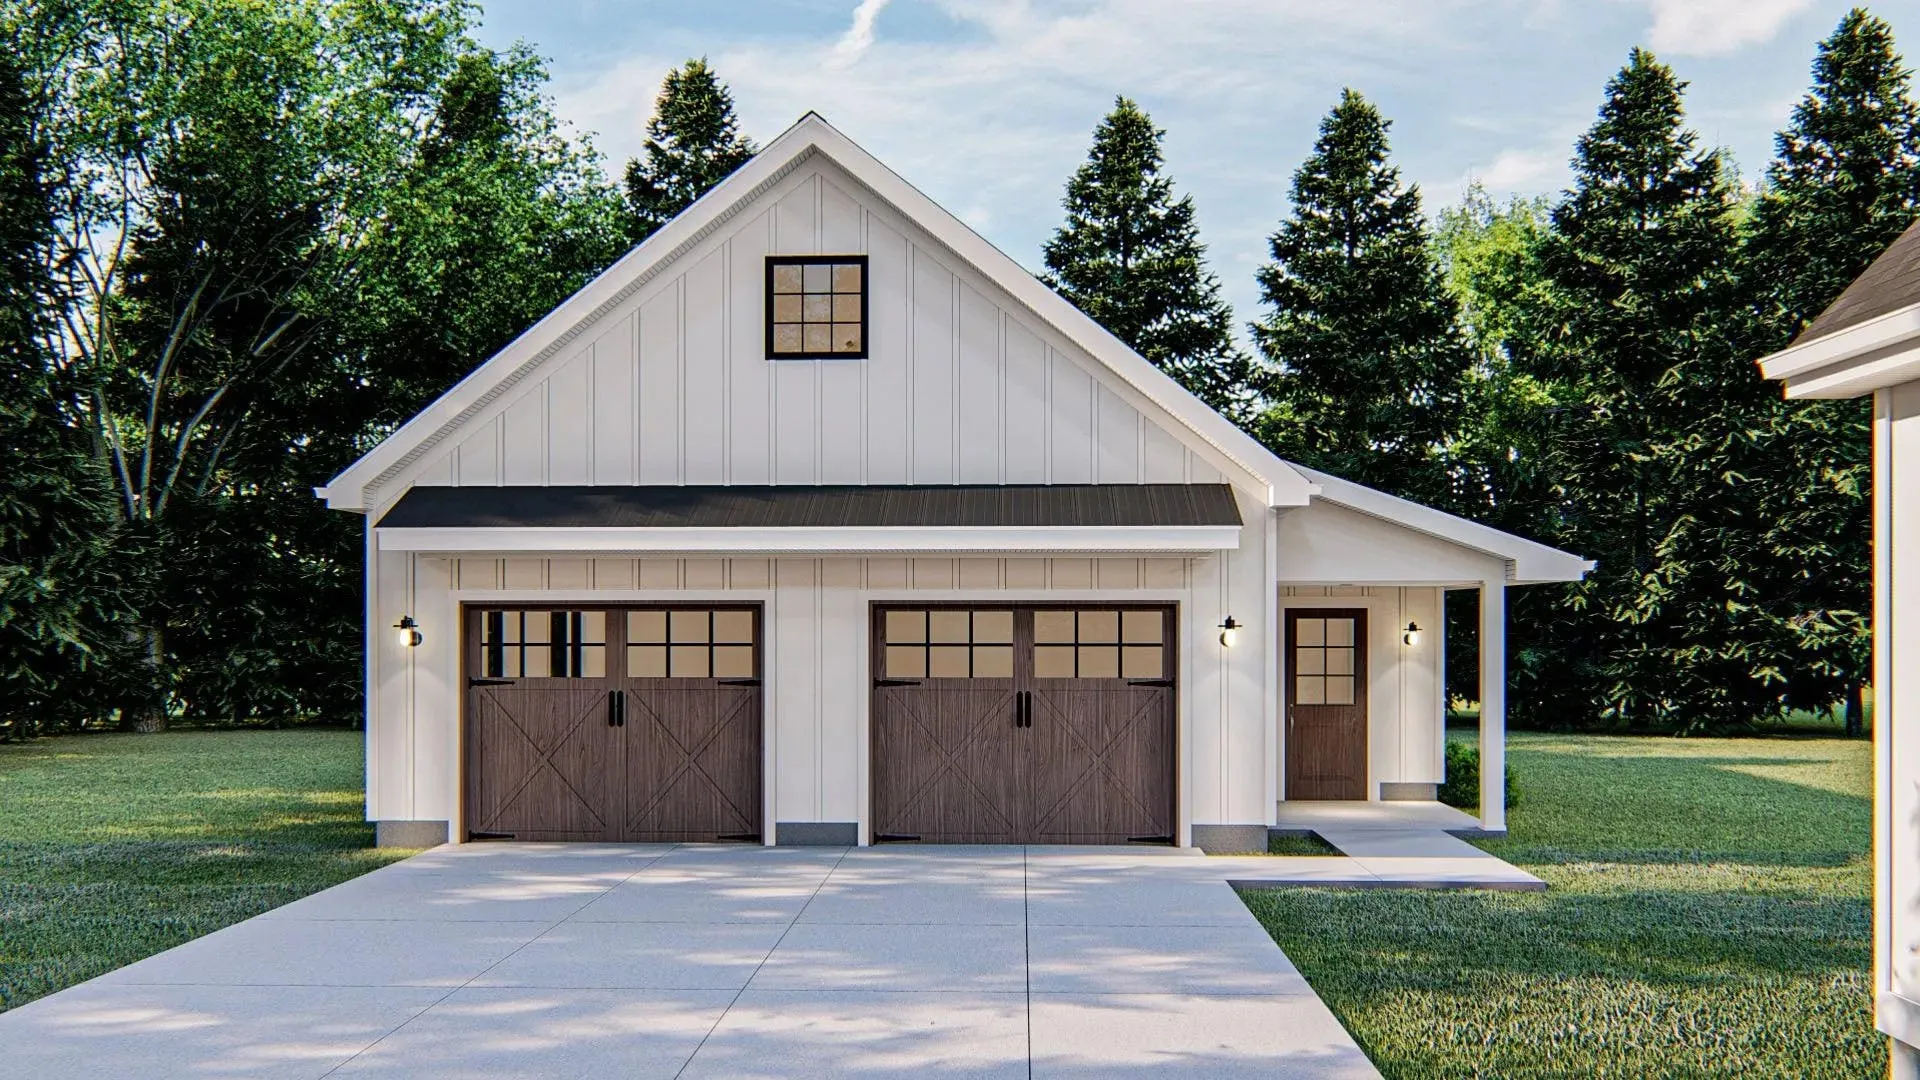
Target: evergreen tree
{"points": [[60, 594], [1649, 389], [1129, 255], [693, 143], [1845, 182], [1364, 337]]}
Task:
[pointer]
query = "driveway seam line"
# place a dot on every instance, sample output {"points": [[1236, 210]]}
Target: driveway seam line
{"points": [[718, 1020], [1026, 927], [441, 1000]]}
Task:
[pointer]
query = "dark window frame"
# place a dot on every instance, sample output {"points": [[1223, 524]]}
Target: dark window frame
{"points": [[866, 292]]}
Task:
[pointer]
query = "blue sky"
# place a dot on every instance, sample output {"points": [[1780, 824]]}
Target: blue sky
{"points": [[987, 105]]}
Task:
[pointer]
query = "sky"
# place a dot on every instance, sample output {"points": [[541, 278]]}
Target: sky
{"points": [[987, 105]]}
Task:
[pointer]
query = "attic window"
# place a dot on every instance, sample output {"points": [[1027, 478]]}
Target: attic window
{"points": [[816, 307]]}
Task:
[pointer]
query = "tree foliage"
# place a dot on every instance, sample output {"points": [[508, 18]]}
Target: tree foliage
{"points": [[1129, 255], [693, 143], [1844, 183], [278, 231], [1369, 363]]}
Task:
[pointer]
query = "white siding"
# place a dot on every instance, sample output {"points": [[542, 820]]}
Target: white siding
{"points": [[816, 659], [962, 385], [1897, 696]]}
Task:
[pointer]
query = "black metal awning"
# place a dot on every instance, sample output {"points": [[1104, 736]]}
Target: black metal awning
{"points": [[961, 506]]}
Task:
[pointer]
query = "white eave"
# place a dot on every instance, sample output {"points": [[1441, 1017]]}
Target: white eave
{"points": [[358, 487], [1882, 351]]}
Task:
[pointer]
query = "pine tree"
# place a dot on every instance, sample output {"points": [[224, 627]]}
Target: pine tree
{"points": [[1845, 182], [1648, 383], [1364, 337], [693, 143], [1129, 255]]}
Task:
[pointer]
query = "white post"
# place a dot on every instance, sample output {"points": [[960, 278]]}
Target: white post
{"points": [[1493, 706]]}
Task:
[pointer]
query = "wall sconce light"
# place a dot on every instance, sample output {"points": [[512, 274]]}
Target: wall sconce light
{"points": [[1412, 634], [409, 632], [1229, 632]]}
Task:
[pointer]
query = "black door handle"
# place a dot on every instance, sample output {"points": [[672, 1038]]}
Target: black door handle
{"points": [[616, 709]]}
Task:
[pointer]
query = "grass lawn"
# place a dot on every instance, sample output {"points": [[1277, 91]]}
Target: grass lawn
{"points": [[1708, 913], [114, 847]]}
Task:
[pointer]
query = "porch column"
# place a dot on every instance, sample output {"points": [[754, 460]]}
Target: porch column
{"points": [[1493, 706]]}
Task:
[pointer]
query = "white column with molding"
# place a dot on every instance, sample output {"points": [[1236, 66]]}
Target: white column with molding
{"points": [[1493, 706]]}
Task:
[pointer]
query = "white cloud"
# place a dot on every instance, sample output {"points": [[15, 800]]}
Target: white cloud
{"points": [[859, 37], [1717, 27], [1523, 170]]}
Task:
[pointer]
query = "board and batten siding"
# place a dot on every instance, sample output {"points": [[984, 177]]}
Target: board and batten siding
{"points": [[962, 384], [815, 661]]}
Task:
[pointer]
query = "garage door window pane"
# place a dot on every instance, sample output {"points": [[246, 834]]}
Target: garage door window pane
{"points": [[1099, 661], [646, 661], [993, 661], [733, 627], [1099, 627], [992, 627], [733, 662], [906, 627], [647, 627], [1053, 662], [689, 662], [1141, 662], [688, 627], [1053, 627], [906, 662], [1142, 627], [948, 662], [949, 627]]}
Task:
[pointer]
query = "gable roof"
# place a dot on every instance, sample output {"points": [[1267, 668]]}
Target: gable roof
{"points": [[1867, 339], [359, 486], [1890, 282]]}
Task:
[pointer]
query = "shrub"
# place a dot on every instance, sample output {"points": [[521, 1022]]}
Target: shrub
{"points": [[1462, 788]]}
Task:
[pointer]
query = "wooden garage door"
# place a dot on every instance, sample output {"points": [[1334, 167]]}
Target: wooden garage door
{"points": [[1023, 724], [634, 724]]}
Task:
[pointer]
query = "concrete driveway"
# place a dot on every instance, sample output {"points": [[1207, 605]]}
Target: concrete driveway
{"points": [[516, 960]]}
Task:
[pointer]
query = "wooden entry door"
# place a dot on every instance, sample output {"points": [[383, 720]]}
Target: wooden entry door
{"points": [[1022, 724], [613, 724], [1326, 703]]}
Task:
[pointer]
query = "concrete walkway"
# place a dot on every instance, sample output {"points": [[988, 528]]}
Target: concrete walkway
{"points": [[1407, 845], [509, 960]]}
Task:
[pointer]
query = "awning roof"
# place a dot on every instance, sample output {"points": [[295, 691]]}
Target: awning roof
{"points": [[981, 517]]}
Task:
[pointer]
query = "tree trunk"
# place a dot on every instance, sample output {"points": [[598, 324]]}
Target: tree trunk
{"points": [[1856, 710], [147, 712]]}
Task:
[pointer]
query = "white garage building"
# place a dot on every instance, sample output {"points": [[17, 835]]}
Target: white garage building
{"points": [[816, 519]]}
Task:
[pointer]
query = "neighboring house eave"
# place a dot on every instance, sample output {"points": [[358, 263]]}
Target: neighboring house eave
{"points": [[1880, 352]]}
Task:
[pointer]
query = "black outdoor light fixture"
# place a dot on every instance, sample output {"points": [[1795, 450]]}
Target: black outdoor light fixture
{"points": [[1229, 632], [409, 632], [1412, 633]]}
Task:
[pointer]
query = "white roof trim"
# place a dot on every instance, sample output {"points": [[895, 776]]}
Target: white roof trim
{"points": [[354, 487], [1527, 562], [1883, 351], [1200, 539]]}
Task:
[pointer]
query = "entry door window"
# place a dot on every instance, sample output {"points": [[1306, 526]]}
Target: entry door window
{"points": [[1323, 661], [1099, 644], [690, 643], [536, 644]]}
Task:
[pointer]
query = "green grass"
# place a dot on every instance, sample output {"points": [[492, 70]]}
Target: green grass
{"points": [[1299, 844], [114, 847], [1707, 915]]}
